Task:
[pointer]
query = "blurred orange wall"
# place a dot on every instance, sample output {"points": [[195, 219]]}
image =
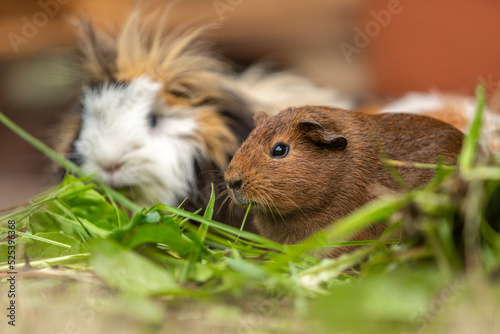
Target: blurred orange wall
{"points": [[435, 44]]}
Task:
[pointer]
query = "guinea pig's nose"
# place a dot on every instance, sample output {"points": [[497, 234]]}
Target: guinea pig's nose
{"points": [[112, 166], [234, 184]]}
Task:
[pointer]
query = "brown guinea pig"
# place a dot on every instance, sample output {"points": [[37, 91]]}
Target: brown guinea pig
{"points": [[307, 167]]}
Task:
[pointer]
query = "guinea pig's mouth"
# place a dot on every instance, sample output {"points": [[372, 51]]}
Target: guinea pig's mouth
{"points": [[238, 198], [116, 183], [243, 202]]}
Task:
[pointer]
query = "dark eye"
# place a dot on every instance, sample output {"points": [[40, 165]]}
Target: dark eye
{"points": [[280, 150], [152, 120], [179, 93]]}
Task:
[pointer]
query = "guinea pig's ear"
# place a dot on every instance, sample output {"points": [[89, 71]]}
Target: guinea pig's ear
{"points": [[318, 134], [97, 49], [260, 118]]}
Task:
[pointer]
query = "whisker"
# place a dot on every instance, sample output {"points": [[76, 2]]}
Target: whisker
{"points": [[276, 210], [227, 198], [222, 193], [62, 58], [265, 202], [222, 204], [230, 210], [291, 201], [60, 75]]}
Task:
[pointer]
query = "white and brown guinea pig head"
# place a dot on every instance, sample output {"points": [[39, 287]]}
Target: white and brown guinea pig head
{"points": [[288, 161], [156, 110]]}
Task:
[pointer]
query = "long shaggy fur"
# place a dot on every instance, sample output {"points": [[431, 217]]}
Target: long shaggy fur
{"points": [[158, 115]]}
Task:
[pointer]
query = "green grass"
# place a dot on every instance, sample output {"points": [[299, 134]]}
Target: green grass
{"points": [[164, 263]]}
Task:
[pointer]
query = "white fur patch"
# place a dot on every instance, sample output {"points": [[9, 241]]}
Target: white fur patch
{"points": [[156, 162], [415, 103]]}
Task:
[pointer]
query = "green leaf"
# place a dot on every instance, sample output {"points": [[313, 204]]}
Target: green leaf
{"points": [[78, 210], [74, 227], [158, 233], [37, 250], [130, 272]]}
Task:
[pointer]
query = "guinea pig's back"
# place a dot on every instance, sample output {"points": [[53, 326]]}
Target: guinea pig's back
{"points": [[418, 138], [415, 138]]}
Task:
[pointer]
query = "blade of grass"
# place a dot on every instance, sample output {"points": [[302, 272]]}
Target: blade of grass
{"points": [[485, 173], [257, 239], [50, 262], [352, 243], [37, 143], [244, 220], [202, 233], [372, 212], [384, 157], [331, 268], [209, 212], [358, 220], [91, 228], [398, 163], [42, 201], [26, 211], [37, 238], [115, 207], [59, 203], [469, 149], [246, 215]]}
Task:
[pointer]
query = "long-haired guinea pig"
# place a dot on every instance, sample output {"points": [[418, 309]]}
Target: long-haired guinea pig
{"points": [[160, 115], [304, 168]]}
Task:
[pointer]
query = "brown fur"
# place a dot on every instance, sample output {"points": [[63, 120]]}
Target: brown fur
{"points": [[318, 183]]}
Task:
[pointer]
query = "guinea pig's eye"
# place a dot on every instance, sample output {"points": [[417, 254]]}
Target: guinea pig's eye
{"points": [[179, 93], [152, 120], [280, 150]]}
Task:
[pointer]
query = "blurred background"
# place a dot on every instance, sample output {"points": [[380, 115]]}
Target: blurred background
{"points": [[375, 50]]}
